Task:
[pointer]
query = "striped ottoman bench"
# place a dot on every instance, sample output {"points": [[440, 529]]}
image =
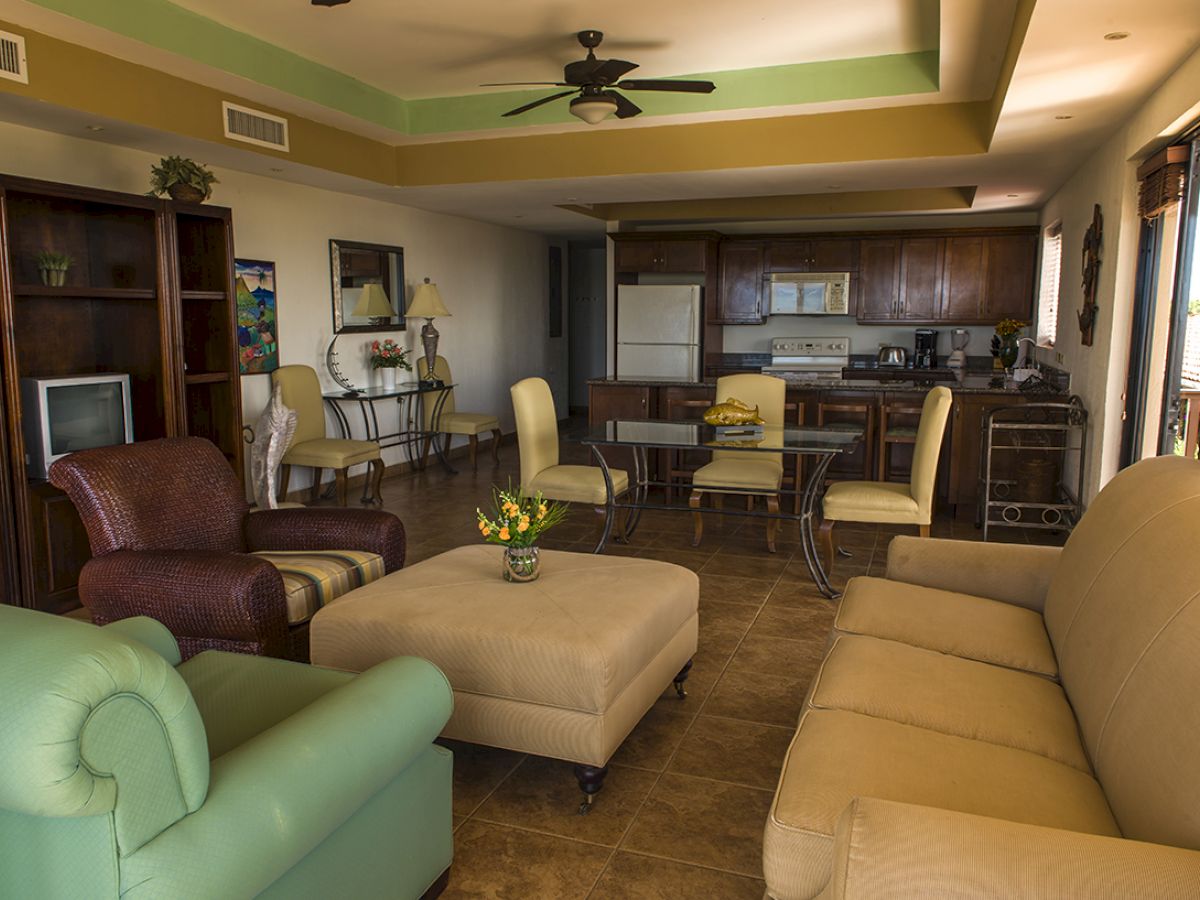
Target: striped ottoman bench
{"points": [[562, 667]]}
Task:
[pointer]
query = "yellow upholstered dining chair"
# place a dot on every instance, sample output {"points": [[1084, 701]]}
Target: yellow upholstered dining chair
{"points": [[537, 444], [451, 421], [310, 447], [888, 502], [743, 472]]}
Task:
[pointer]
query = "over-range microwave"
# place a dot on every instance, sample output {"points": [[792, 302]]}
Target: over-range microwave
{"points": [[809, 294]]}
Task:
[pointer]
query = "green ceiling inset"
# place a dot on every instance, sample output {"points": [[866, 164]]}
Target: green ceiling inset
{"points": [[162, 24]]}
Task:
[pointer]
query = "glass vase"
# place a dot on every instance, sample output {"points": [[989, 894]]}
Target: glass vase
{"points": [[1008, 352], [521, 564]]}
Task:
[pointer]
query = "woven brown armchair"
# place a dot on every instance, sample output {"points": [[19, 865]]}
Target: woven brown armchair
{"points": [[171, 538]]}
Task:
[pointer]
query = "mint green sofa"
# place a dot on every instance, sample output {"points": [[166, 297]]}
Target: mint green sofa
{"points": [[124, 773]]}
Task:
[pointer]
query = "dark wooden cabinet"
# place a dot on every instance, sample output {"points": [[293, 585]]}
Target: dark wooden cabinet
{"points": [[878, 280], [966, 424], [149, 293], [683, 404], [962, 279], [614, 400], [1009, 284], [664, 256], [817, 255], [740, 301], [920, 279]]}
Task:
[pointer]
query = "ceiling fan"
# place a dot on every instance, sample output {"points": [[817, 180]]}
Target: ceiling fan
{"points": [[594, 81]]}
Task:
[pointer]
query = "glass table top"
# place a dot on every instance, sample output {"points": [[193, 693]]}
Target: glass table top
{"points": [[698, 435], [375, 392]]}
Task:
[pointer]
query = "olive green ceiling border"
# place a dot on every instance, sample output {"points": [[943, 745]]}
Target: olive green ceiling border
{"points": [[767, 86], [845, 203], [166, 26], [78, 78]]}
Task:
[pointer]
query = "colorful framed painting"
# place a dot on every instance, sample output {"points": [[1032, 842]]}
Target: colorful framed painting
{"points": [[257, 322]]}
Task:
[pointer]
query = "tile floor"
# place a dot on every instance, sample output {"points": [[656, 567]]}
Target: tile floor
{"points": [[687, 795]]}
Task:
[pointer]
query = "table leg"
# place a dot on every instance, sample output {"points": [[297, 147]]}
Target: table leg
{"points": [[609, 502], [639, 490], [441, 448], [812, 492]]}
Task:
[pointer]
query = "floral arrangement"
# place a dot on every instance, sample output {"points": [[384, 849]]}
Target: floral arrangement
{"points": [[389, 355], [1008, 328], [518, 520]]}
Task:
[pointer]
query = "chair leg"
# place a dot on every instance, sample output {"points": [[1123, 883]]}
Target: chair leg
{"points": [[285, 474], [749, 503], [340, 479], [496, 435], [924, 531], [772, 524], [825, 541], [473, 443], [314, 493], [425, 449], [377, 468], [697, 517]]}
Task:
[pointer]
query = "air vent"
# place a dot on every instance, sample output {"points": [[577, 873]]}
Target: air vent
{"points": [[12, 58], [255, 127]]}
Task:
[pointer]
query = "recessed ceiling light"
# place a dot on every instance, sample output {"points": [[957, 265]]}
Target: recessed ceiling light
{"points": [[572, 200], [94, 127], [276, 169], [1116, 35], [833, 187], [1014, 195], [518, 216], [1063, 118]]}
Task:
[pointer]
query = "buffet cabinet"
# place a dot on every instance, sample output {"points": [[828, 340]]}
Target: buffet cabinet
{"points": [[958, 466], [148, 292]]}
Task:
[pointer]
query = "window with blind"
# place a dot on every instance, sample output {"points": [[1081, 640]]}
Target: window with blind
{"points": [[1048, 292]]}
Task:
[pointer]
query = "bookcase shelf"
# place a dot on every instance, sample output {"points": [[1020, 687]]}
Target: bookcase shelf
{"points": [[84, 292], [203, 295], [205, 377]]}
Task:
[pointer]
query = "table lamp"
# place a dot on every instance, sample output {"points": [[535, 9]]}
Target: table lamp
{"points": [[373, 303], [427, 304]]}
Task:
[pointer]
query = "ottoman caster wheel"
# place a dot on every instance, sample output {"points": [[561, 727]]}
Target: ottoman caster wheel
{"points": [[681, 678], [591, 780]]}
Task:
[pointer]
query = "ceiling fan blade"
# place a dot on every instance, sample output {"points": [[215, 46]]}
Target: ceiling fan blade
{"points": [[537, 103], [610, 70], [626, 108], [526, 84], [665, 84]]}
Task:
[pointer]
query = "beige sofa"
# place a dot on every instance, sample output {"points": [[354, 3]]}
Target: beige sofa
{"points": [[1009, 720]]}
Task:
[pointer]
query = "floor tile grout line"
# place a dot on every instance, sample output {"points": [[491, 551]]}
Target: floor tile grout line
{"points": [[651, 855], [496, 787]]}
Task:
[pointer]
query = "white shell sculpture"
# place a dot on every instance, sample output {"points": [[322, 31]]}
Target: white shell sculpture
{"points": [[272, 436]]}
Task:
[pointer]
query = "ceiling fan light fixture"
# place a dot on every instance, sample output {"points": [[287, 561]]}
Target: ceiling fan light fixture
{"points": [[593, 110]]}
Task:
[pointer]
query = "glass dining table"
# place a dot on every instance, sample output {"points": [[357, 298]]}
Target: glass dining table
{"points": [[820, 445]]}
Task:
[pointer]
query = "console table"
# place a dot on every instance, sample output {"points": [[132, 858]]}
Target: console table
{"points": [[410, 398]]}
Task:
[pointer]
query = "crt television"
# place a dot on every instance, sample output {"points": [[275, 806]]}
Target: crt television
{"points": [[78, 412]]}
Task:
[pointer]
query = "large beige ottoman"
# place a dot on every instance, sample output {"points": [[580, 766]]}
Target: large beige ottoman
{"points": [[563, 667]]}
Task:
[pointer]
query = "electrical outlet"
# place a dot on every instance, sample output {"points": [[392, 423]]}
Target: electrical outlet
{"points": [[1058, 357]]}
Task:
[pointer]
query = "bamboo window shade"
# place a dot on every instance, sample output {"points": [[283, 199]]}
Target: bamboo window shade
{"points": [[1161, 180]]}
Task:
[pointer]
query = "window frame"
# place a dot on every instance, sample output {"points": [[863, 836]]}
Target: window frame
{"points": [[1048, 307]]}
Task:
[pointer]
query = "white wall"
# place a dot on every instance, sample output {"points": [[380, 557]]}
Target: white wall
{"points": [[493, 279], [1109, 178]]}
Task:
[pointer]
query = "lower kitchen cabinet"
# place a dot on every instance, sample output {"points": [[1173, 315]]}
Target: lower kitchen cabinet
{"points": [[966, 442], [621, 401]]}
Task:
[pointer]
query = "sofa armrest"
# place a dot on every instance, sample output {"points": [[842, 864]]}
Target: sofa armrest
{"points": [[329, 529], [277, 796], [151, 633], [197, 594], [1013, 573], [884, 849]]}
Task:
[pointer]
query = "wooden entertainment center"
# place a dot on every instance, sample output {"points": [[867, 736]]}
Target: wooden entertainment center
{"points": [[149, 292]]}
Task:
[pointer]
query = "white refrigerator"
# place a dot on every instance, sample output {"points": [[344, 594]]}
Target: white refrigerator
{"points": [[658, 331]]}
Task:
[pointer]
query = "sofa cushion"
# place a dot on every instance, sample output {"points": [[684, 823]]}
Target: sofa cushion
{"points": [[948, 622], [914, 686], [836, 756], [314, 578]]}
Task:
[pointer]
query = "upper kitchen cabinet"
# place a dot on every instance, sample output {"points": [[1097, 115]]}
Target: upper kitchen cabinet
{"points": [[815, 255], [921, 262], [1008, 286], [740, 298], [962, 278], [878, 280], [637, 253]]}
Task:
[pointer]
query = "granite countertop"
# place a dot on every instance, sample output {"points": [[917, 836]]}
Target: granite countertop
{"points": [[973, 383]]}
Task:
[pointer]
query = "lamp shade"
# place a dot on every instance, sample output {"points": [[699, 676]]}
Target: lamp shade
{"points": [[427, 302], [593, 110], [373, 303]]}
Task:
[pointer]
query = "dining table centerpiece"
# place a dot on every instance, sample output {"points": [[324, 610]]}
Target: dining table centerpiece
{"points": [[516, 523]]}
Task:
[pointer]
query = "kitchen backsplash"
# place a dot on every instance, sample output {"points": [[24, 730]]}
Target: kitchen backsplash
{"points": [[863, 338]]}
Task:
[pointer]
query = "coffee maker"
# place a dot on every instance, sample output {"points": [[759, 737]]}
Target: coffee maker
{"points": [[925, 356]]}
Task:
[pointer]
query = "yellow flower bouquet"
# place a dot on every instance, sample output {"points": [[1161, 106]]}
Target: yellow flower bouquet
{"points": [[516, 524]]}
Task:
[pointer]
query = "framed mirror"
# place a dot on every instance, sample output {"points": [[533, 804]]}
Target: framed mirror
{"points": [[359, 271]]}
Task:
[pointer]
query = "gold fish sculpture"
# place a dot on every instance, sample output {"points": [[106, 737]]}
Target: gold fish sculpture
{"points": [[732, 412]]}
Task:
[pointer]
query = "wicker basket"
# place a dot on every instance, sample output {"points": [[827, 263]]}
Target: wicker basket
{"points": [[1037, 480], [185, 193]]}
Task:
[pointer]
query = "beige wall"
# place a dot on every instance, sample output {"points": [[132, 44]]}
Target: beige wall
{"points": [[492, 279], [1108, 178]]}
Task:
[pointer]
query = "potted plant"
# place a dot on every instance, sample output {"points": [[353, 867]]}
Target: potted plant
{"points": [[389, 356], [53, 267], [516, 524], [1004, 342], [182, 179]]}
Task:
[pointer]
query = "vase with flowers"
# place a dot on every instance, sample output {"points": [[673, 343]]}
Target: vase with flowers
{"points": [[516, 523], [1005, 344], [388, 356]]}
